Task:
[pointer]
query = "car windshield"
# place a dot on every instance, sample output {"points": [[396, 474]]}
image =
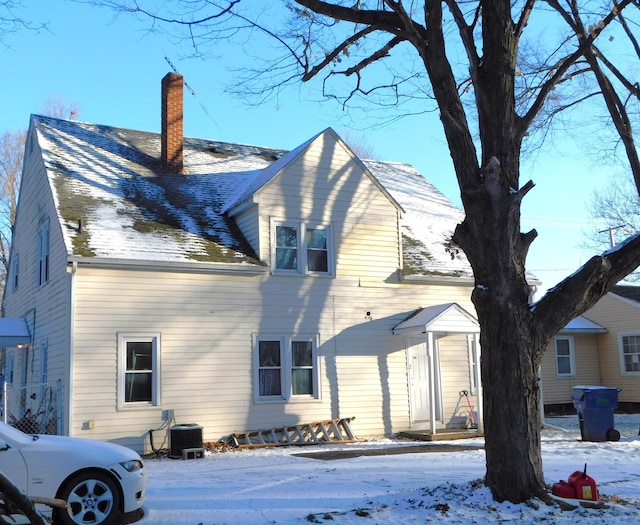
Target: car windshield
{"points": [[9, 433]]}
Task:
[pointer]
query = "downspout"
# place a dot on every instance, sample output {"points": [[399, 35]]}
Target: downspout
{"points": [[68, 421]]}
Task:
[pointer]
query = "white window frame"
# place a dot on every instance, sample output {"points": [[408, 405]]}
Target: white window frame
{"points": [[144, 337], [286, 368], [43, 259], [571, 356], [16, 271], [623, 368], [301, 228]]}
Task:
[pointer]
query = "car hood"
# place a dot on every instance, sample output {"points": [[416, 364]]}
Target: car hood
{"points": [[99, 453]]}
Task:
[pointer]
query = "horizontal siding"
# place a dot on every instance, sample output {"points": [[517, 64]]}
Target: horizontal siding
{"points": [[618, 316], [206, 324], [557, 390], [327, 186], [46, 308]]}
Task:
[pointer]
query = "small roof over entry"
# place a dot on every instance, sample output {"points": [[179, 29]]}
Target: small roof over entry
{"points": [[443, 318], [14, 331]]}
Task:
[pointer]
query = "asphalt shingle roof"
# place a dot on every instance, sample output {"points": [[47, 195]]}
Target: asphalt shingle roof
{"points": [[114, 199]]}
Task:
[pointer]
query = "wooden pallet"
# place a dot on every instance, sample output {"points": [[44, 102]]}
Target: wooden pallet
{"points": [[320, 432]]}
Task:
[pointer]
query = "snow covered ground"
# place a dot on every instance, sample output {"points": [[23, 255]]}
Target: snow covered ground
{"points": [[277, 486]]}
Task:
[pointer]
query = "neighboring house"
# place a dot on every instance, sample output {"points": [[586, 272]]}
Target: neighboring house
{"points": [[600, 348], [173, 280]]}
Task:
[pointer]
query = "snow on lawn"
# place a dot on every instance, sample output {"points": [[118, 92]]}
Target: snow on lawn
{"points": [[278, 486]]}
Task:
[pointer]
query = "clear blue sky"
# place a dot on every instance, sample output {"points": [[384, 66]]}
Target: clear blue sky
{"points": [[111, 68]]}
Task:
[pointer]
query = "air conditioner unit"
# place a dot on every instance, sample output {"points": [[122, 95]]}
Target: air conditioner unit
{"points": [[184, 437]]}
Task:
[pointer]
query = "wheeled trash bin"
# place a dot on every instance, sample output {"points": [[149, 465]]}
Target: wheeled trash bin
{"points": [[596, 405]]}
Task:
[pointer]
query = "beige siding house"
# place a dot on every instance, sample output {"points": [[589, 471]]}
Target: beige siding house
{"points": [[236, 287], [601, 348]]}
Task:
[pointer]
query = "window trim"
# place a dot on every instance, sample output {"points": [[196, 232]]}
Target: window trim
{"points": [[571, 356], [623, 369], [301, 228], [474, 362], [123, 339], [286, 368], [16, 271]]}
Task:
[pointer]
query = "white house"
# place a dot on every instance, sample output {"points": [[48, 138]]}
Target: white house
{"points": [[168, 280]]}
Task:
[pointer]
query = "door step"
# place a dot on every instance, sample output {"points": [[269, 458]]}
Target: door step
{"points": [[318, 433]]}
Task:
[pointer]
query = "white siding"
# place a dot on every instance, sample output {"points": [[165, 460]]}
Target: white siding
{"points": [[206, 324], [46, 307]]}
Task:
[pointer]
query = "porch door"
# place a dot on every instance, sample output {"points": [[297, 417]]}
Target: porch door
{"points": [[420, 378]]}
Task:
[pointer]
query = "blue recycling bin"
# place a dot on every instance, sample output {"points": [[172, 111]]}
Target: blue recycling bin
{"points": [[595, 405]]}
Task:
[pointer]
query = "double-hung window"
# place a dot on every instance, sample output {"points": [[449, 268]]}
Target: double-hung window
{"points": [[286, 368], [630, 349], [138, 370], [43, 253], [302, 248], [565, 358]]}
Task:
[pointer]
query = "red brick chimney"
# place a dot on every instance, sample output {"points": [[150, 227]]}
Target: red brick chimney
{"points": [[172, 138]]}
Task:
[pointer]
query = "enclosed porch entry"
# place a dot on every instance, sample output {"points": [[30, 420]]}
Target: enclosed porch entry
{"points": [[443, 369]]}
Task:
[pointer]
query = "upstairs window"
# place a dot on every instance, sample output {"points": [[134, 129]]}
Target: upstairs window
{"points": [[16, 271], [565, 358], [43, 254], [302, 249], [286, 368], [630, 347]]}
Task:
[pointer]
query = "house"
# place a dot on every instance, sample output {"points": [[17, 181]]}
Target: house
{"points": [[601, 347], [167, 280]]}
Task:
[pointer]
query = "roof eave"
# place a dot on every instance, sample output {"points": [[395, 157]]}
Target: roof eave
{"points": [[169, 266], [451, 280]]}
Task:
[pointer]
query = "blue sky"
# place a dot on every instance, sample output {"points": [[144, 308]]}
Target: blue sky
{"points": [[111, 69]]}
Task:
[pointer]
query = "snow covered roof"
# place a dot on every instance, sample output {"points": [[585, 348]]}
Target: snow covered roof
{"points": [[115, 200], [583, 325]]}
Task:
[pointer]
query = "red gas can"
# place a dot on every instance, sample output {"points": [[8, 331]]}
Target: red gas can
{"points": [[562, 489], [584, 486]]}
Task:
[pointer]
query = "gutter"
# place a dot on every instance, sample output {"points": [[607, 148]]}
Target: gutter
{"points": [[169, 266]]}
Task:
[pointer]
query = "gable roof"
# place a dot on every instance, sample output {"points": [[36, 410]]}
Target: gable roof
{"points": [[448, 317], [582, 325], [115, 201], [627, 291]]}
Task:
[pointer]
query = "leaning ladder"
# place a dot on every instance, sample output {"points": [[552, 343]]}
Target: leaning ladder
{"points": [[330, 431]]}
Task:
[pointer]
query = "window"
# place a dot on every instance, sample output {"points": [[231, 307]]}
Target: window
{"points": [[630, 346], [300, 248], [16, 271], [286, 368], [43, 253], [565, 360], [138, 370]]}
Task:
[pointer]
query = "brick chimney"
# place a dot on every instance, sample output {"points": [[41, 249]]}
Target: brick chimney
{"points": [[172, 137]]}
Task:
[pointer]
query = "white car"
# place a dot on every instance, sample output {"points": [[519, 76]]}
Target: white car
{"points": [[98, 480]]}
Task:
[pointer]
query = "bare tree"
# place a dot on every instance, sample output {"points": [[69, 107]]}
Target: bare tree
{"points": [[616, 210], [499, 72], [11, 155]]}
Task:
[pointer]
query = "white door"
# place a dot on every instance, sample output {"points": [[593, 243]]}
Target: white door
{"points": [[419, 379]]}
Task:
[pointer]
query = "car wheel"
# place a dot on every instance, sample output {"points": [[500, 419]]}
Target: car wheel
{"points": [[93, 499]]}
